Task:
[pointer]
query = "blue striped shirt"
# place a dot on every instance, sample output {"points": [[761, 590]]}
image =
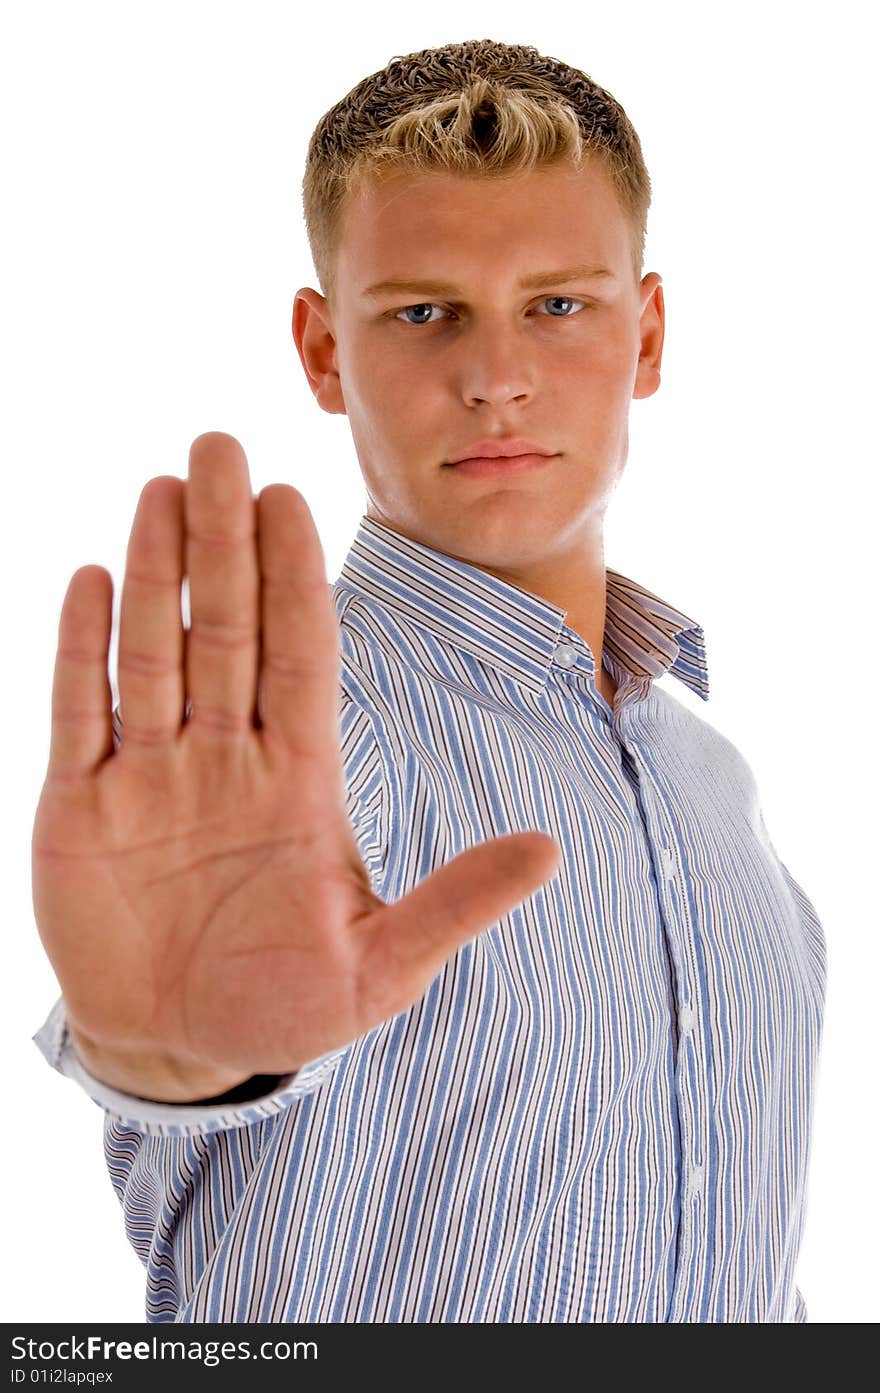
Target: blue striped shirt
{"points": [[600, 1109]]}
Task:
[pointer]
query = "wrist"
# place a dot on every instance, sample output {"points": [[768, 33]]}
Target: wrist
{"points": [[158, 1077]]}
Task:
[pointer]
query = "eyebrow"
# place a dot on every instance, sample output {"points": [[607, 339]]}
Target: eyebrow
{"points": [[540, 281]]}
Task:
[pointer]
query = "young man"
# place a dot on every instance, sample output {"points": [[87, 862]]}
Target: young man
{"points": [[432, 963]]}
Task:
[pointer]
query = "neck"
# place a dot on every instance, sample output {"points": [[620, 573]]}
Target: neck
{"points": [[576, 582]]}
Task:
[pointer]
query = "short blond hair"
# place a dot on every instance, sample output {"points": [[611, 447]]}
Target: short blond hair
{"points": [[476, 108]]}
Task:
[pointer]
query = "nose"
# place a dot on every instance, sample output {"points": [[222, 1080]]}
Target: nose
{"points": [[496, 396], [494, 367]]}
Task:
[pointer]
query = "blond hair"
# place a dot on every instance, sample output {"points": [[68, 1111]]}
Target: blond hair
{"points": [[475, 108]]}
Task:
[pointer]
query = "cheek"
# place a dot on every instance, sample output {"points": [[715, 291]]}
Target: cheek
{"points": [[602, 352], [388, 386], [375, 398], [606, 374]]}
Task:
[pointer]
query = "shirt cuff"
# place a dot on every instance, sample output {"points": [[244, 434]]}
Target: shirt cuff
{"points": [[177, 1119]]}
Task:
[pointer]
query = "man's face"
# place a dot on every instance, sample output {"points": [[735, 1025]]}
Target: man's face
{"points": [[424, 371]]}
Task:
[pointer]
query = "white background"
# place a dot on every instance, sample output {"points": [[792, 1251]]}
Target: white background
{"points": [[152, 245]]}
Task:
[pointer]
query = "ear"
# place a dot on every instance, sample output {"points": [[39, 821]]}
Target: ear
{"points": [[652, 327], [316, 345]]}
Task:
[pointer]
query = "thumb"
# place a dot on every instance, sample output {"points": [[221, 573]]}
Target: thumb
{"points": [[414, 937]]}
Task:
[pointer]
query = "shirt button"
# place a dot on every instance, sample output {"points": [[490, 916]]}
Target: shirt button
{"points": [[668, 862], [566, 654], [686, 1018], [695, 1179]]}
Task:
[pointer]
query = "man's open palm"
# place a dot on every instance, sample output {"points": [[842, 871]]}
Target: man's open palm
{"points": [[200, 891]]}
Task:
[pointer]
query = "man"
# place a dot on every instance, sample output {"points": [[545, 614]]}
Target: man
{"points": [[431, 963]]}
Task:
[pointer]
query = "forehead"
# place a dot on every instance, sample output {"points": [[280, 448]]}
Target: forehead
{"points": [[412, 221]]}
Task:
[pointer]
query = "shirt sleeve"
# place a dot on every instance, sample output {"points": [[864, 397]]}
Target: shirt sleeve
{"points": [[178, 1119], [367, 804], [799, 1311], [814, 938]]}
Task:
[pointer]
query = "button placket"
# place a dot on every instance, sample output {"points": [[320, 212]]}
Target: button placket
{"points": [[696, 1175], [565, 654], [674, 906]]}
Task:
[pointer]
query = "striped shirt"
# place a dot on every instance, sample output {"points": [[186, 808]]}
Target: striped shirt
{"points": [[600, 1109]]}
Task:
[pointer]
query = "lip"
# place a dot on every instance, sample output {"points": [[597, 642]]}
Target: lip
{"points": [[506, 448], [483, 466]]}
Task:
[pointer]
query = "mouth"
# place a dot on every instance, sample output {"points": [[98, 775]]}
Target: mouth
{"points": [[482, 466]]}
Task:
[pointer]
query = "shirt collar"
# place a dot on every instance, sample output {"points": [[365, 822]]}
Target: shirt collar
{"points": [[510, 628]]}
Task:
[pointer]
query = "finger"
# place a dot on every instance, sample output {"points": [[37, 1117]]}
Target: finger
{"points": [[420, 932], [222, 646], [82, 733], [299, 676], [150, 658]]}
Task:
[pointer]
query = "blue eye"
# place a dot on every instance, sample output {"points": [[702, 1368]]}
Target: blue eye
{"points": [[407, 308], [566, 299], [427, 305]]}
